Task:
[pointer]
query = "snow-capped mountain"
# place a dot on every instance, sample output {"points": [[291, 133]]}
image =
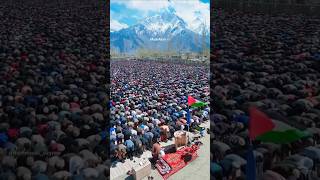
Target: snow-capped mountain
{"points": [[200, 26], [163, 31], [163, 25], [116, 26]]}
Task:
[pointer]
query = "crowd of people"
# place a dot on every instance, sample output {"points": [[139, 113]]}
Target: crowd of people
{"points": [[53, 94], [271, 62], [149, 103]]}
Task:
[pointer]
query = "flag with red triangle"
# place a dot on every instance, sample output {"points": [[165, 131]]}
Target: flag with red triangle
{"points": [[259, 123], [192, 102]]}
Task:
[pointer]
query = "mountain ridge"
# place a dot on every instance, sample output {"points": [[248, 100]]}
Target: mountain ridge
{"points": [[162, 31]]}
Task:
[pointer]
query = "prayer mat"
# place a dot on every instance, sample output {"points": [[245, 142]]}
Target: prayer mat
{"points": [[175, 161]]}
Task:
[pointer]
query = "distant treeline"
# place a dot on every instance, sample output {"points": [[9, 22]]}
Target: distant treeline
{"points": [[176, 61], [146, 53]]}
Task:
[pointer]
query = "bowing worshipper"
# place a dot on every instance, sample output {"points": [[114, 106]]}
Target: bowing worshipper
{"points": [[126, 132], [120, 137], [156, 131], [148, 136], [121, 151], [113, 149], [138, 145], [133, 131], [129, 147], [164, 133], [144, 141]]}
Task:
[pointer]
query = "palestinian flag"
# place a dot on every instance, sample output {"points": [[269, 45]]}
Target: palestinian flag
{"points": [[282, 134], [259, 123], [282, 137], [262, 128], [192, 102]]}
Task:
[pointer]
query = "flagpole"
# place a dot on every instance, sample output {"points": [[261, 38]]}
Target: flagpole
{"points": [[251, 162], [188, 121], [251, 165], [188, 113], [189, 117]]}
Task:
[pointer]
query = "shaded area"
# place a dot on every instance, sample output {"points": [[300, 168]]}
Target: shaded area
{"points": [[271, 62], [53, 112]]}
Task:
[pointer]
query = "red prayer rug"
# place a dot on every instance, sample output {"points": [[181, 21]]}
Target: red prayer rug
{"points": [[175, 161]]}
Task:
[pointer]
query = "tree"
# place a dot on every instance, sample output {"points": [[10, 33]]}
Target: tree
{"points": [[141, 53], [114, 52]]}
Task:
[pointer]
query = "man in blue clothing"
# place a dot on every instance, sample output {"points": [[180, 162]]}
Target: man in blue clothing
{"points": [[148, 138], [130, 147], [156, 132], [150, 135], [144, 141], [113, 130], [126, 133]]}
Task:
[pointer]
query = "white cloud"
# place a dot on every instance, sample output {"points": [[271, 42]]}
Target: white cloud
{"points": [[116, 25], [188, 11], [143, 5]]}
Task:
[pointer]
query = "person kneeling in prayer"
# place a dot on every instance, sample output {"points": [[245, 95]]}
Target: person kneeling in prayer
{"points": [[156, 148]]}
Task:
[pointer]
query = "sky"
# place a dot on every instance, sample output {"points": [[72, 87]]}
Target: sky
{"points": [[125, 13]]}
